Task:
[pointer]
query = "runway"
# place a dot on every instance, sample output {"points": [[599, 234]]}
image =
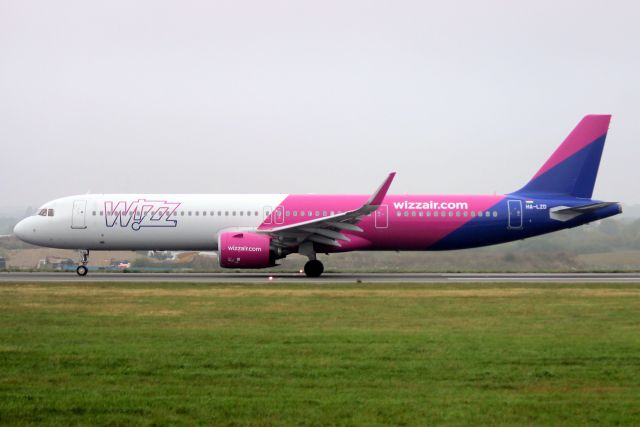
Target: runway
{"points": [[262, 278]]}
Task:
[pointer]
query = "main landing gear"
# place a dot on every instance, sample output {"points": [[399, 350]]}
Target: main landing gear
{"points": [[313, 268], [82, 269]]}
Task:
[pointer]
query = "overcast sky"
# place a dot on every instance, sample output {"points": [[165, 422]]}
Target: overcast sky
{"points": [[309, 97]]}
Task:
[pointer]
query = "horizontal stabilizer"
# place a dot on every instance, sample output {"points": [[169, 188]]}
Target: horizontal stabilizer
{"points": [[565, 213], [586, 208]]}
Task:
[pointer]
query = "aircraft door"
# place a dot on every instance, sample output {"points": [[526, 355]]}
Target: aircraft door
{"points": [[382, 216], [278, 215], [515, 214], [266, 211], [78, 219]]}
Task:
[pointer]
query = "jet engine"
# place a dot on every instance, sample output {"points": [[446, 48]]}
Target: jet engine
{"points": [[238, 249]]}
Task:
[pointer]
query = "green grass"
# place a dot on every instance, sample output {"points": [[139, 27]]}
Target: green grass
{"points": [[106, 353]]}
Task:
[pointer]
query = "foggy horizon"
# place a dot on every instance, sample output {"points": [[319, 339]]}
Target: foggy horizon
{"points": [[289, 97]]}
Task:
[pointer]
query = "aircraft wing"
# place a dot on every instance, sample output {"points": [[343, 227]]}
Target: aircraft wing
{"points": [[328, 230]]}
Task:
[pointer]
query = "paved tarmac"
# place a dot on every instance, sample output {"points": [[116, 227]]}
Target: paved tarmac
{"points": [[275, 277]]}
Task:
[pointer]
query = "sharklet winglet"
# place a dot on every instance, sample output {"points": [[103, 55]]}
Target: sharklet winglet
{"points": [[379, 195]]}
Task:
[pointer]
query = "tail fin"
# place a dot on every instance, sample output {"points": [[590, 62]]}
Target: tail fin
{"points": [[572, 168]]}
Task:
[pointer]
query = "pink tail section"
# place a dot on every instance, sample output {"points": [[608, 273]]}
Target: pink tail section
{"points": [[589, 129], [572, 169]]}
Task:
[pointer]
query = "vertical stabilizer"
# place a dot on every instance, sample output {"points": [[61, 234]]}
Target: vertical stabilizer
{"points": [[572, 168]]}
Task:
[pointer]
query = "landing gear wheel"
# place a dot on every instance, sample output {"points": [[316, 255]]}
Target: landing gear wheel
{"points": [[313, 268], [82, 270]]}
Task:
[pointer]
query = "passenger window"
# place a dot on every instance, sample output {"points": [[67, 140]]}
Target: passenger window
{"points": [[399, 213], [295, 213], [233, 213], [197, 213], [248, 213], [317, 213], [287, 213], [241, 213], [310, 213], [465, 213], [301, 213], [420, 213], [226, 213], [189, 213], [428, 213], [181, 213], [435, 213], [324, 213], [102, 213], [473, 213], [457, 213], [495, 214], [413, 213], [219, 213], [406, 213]]}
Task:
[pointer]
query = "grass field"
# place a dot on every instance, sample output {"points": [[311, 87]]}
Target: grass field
{"points": [[319, 354]]}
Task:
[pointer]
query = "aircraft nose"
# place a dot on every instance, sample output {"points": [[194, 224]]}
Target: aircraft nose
{"points": [[21, 230]]}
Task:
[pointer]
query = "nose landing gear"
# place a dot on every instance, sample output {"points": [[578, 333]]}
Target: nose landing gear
{"points": [[82, 269]]}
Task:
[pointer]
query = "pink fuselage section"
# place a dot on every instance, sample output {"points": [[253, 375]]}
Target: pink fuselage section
{"points": [[411, 222]]}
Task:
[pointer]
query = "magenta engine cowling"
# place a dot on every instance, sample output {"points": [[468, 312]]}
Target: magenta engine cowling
{"points": [[244, 250]]}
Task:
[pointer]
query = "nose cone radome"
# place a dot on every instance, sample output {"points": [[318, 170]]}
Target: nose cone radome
{"points": [[22, 231]]}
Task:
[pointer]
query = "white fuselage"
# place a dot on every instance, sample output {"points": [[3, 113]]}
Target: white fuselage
{"points": [[144, 221]]}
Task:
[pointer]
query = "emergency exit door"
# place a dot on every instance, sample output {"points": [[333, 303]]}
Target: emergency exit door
{"points": [[382, 216]]}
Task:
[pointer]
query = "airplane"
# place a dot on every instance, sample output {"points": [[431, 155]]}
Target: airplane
{"points": [[252, 231]]}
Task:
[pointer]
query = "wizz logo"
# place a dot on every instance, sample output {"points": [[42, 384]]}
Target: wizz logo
{"points": [[140, 213]]}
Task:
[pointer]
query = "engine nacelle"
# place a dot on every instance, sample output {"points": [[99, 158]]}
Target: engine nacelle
{"points": [[239, 249]]}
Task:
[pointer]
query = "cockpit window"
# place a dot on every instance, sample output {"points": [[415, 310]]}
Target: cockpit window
{"points": [[45, 212]]}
